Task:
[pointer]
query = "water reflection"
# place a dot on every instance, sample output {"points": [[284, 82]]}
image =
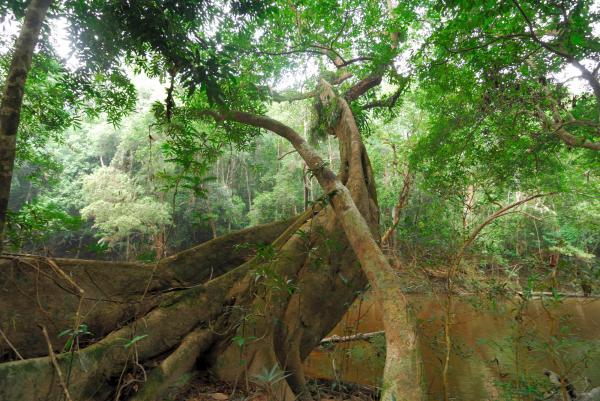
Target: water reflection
{"points": [[499, 349]]}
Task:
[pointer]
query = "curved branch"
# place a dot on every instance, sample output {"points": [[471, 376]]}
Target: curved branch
{"points": [[281, 97], [574, 141], [475, 233], [362, 86], [389, 101], [558, 125], [562, 133], [588, 75], [534, 35]]}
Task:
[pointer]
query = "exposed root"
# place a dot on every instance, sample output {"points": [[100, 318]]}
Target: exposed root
{"points": [[177, 364], [163, 329], [106, 295], [180, 314]]}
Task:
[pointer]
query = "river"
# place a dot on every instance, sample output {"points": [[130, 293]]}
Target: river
{"points": [[500, 349]]}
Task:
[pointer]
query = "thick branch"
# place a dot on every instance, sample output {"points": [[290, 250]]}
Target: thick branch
{"points": [[388, 102], [558, 128], [295, 96], [588, 76], [374, 79], [557, 124], [574, 141], [337, 59], [362, 87]]}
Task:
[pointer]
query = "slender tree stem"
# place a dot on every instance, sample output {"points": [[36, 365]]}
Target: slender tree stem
{"points": [[12, 99]]}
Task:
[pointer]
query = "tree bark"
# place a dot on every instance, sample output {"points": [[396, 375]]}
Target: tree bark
{"points": [[12, 99]]}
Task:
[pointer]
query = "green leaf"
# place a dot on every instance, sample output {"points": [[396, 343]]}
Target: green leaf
{"points": [[577, 39], [239, 340], [134, 340], [65, 332], [68, 345]]}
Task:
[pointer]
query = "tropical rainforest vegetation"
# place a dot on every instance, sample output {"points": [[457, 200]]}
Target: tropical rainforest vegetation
{"points": [[205, 185]]}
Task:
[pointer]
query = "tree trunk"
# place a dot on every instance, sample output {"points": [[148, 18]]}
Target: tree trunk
{"points": [[12, 99], [159, 243], [306, 192], [248, 189], [388, 237], [211, 220], [127, 248]]}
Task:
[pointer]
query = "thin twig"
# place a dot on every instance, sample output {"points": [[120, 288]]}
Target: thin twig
{"points": [[64, 275], [55, 364], [10, 344], [355, 337], [286, 153]]}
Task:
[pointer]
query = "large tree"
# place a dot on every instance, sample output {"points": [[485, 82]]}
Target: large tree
{"points": [[278, 304]]}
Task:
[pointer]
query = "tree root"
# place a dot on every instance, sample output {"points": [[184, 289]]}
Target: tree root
{"points": [[33, 291], [156, 333], [176, 365], [179, 314]]}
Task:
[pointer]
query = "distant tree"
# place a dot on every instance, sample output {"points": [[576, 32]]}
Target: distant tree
{"points": [[119, 209]]}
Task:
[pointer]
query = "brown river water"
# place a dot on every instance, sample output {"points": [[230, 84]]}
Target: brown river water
{"points": [[500, 349]]}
